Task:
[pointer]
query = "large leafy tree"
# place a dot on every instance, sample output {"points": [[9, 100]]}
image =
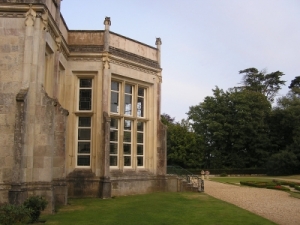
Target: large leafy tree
{"points": [[233, 127], [259, 81], [285, 133], [184, 146]]}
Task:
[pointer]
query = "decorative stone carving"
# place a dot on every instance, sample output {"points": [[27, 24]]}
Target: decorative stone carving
{"points": [[107, 21], [58, 43], [106, 62], [30, 17], [158, 41], [45, 17]]}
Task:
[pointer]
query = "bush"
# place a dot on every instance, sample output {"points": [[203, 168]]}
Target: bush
{"points": [[297, 187], [14, 214], [278, 187], [258, 184], [223, 174], [283, 163], [36, 204]]}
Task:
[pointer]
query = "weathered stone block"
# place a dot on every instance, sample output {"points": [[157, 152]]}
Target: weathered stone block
{"points": [[38, 162]]}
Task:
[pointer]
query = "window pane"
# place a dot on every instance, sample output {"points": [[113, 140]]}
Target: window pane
{"points": [[127, 161], [127, 124], [85, 99], [114, 102], [84, 122], [141, 92], [113, 148], [114, 123], [140, 126], [84, 147], [85, 82], [84, 134], [113, 160], [128, 89], [140, 150], [127, 137], [127, 148], [128, 105], [113, 135], [83, 160], [140, 107], [140, 161], [140, 138], [114, 86]]}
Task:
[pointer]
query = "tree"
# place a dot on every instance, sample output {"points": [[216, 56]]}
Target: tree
{"points": [[184, 146], [260, 81], [233, 127]]}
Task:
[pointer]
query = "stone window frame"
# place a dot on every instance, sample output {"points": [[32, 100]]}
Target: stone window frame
{"points": [[84, 140], [84, 113], [121, 117], [48, 69]]}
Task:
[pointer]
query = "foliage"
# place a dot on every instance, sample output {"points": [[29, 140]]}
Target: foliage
{"points": [[297, 187], [257, 184], [184, 146], [261, 82], [14, 214], [268, 185], [233, 171], [36, 204], [285, 182], [223, 174], [283, 163], [238, 128], [173, 209], [278, 187], [233, 128]]}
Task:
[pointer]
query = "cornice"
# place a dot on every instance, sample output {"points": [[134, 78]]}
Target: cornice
{"points": [[86, 48], [133, 57], [134, 65], [78, 52]]}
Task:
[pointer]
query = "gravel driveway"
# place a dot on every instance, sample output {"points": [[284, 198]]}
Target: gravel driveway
{"points": [[274, 205]]}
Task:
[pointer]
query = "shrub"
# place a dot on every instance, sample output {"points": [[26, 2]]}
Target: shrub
{"points": [[14, 214], [283, 163], [36, 204], [257, 184], [223, 174], [278, 187], [297, 187]]}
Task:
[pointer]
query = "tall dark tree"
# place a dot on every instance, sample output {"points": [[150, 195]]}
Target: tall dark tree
{"points": [[232, 125], [259, 81], [184, 146]]}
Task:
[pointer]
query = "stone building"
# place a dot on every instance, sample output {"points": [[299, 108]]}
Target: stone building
{"points": [[79, 110]]}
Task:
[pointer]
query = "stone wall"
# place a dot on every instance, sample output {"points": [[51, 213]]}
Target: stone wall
{"points": [[11, 60]]}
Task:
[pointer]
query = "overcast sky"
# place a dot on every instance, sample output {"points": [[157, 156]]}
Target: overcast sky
{"points": [[204, 42]]}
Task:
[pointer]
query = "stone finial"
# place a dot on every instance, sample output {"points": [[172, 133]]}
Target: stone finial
{"points": [[158, 41], [30, 17], [107, 22]]}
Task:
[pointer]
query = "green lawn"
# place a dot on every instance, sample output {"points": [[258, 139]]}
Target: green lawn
{"points": [[235, 180], [153, 209]]}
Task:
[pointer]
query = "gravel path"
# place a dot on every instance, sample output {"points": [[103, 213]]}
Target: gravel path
{"points": [[274, 205]]}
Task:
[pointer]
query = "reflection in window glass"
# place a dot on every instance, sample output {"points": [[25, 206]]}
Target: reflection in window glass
{"points": [[127, 129], [114, 137], [85, 94], [140, 102], [114, 97], [84, 141], [140, 144], [128, 100]]}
